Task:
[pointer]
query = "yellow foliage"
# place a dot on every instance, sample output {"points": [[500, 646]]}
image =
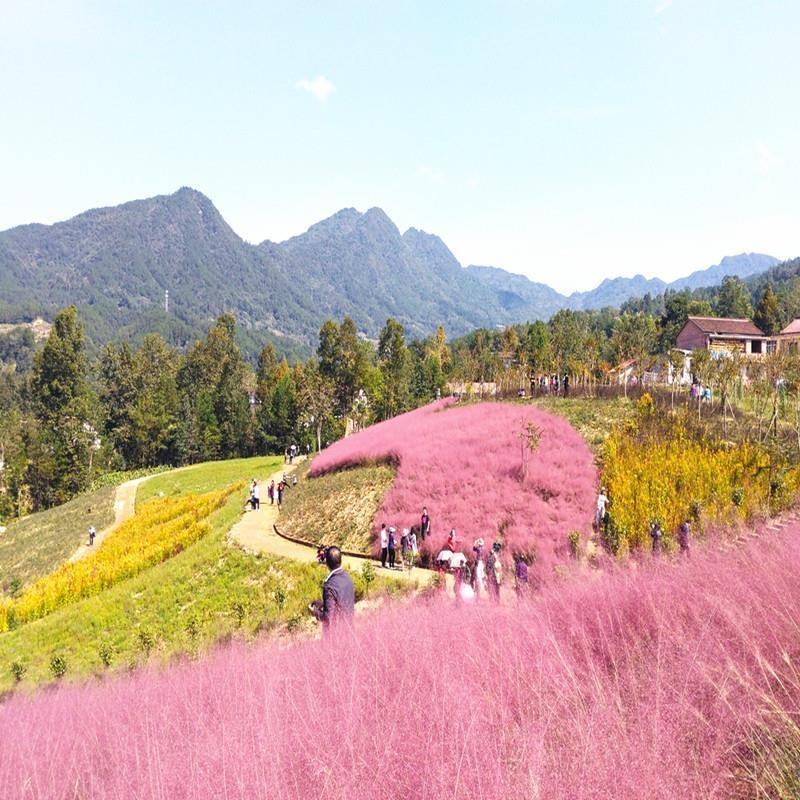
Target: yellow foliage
{"points": [[160, 529], [673, 477]]}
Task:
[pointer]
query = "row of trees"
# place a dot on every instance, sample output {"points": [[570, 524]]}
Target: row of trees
{"points": [[66, 420]]}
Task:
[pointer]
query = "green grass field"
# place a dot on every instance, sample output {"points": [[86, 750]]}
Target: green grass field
{"points": [[207, 593], [337, 508], [37, 544], [593, 418], [209, 476]]}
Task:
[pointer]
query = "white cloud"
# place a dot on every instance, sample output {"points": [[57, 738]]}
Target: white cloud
{"points": [[662, 6], [320, 87], [766, 159]]}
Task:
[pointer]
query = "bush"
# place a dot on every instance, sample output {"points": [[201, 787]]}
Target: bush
{"points": [[58, 666], [574, 539], [18, 671], [105, 652], [367, 575], [239, 610], [146, 640], [280, 598]]}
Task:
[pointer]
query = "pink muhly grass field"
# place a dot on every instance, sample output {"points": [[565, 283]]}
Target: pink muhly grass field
{"points": [[464, 463], [656, 682]]}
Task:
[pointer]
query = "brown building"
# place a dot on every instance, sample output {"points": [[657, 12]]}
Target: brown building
{"points": [[789, 338], [723, 335]]}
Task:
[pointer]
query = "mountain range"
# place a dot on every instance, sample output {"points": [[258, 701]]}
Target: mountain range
{"points": [[116, 263]]}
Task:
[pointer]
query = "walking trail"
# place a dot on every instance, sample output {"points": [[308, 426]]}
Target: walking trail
{"points": [[254, 533], [124, 508]]}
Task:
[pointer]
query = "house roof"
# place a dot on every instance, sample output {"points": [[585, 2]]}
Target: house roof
{"points": [[792, 327], [726, 326]]}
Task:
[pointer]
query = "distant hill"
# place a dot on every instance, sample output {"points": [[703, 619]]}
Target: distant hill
{"points": [[116, 263]]}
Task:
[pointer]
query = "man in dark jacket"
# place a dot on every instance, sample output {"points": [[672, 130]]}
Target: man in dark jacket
{"points": [[338, 593]]}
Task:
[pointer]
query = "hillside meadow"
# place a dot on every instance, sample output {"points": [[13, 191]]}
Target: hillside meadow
{"points": [[475, 470]]}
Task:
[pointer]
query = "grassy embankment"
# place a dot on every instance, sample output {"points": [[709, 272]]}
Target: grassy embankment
{"points": [[37, 544], [337, 508], [207, 593]]}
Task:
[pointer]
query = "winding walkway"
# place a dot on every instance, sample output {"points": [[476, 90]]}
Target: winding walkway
{"points": [[255, 534], [124, 509]]}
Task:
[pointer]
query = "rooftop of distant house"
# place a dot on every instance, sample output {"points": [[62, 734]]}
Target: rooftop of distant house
{"points": [[726, 326], [792, 328]]}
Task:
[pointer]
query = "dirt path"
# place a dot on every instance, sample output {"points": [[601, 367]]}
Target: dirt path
{"points": [[124, 508], [254, 533]]}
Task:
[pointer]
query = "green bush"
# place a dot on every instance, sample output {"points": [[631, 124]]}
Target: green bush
{"points": [[574, 538], [58, 665], [105, 652], [146, 640], [18, 670]]}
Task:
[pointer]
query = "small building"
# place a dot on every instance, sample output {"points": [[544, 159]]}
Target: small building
{"points": [[721, 335], [788, 340]]}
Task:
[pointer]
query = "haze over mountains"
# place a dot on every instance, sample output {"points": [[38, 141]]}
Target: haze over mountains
{"points": [[116, 263]]}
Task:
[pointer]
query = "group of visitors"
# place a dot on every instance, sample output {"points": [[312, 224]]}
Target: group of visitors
{"points": [[275, 492], [409, 542], [552, 384]]}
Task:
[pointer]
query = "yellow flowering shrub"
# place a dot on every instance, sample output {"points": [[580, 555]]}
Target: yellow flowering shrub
{"points": [[160, 529], [656, 469]]}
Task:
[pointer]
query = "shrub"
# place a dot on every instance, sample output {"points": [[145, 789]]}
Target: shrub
{"points": [[105, 652], [280, 598], [18, 671], [239, 610], [58, 665], [574, 539], [367, 575], [146, 640]]}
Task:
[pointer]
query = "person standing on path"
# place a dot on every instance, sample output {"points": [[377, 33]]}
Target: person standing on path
{"points": [[92, 534], [425, 524], [271, 493], [384, 544], [256, 496], [451, 540], [281, 487], [412, 549], [391, 547], [403, 547], [338, 594]]}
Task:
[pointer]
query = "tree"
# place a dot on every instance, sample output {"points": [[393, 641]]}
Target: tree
{"points": [[393, 362], [678, 306], [315, 396], [734, 299], [634, 337], [768, 315], [62, 448]]}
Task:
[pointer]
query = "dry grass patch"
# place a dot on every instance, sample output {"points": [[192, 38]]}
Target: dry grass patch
{"points": [[337, 508]]}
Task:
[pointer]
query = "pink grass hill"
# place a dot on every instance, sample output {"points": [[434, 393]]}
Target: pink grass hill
{"points": [[466, 464]]}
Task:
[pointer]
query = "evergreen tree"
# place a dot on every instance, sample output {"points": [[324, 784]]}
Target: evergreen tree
{"points": [[394, 363], [768, 315], [733, 299]]}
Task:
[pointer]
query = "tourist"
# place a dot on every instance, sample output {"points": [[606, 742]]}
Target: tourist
{"points": [[425, 524], [600, 512], [403, 546], [413, 549], [391, 547], [521, 576], [281, 487], [384, 544], [92, 534], [494, 572], [683, 537], [255, 496], [338, 593], [479, 574], [655, 535], [451, 540], [271, 492], [294, 481]]}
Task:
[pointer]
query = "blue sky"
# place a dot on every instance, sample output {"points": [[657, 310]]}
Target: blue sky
{"points": [[568, 141]]}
